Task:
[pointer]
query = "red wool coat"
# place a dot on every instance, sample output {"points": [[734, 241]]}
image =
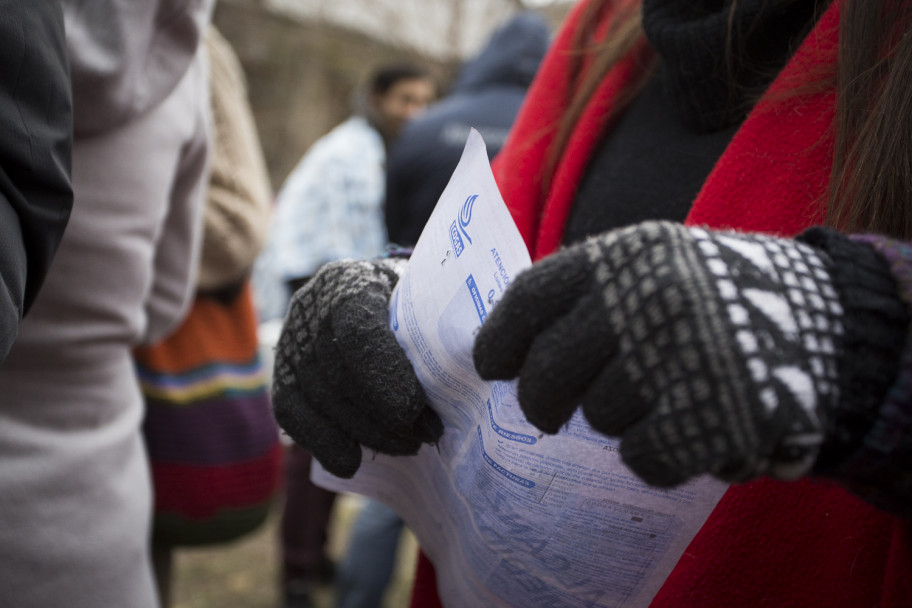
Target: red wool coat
{"points": [[768, 543]]}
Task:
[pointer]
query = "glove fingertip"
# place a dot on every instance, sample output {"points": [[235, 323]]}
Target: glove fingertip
{"points": [[332, 446], [284, 412], [546, 411], [549, 422], [655, 468], [612, 403], [429, 426], [341, 463], [489, 358]]}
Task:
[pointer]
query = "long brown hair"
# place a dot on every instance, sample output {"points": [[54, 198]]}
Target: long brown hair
{"points": [[871, 184], [870, 188]]}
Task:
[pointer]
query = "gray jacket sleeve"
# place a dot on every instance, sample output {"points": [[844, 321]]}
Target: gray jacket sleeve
{"points": [[36, 123], [178, 248]]}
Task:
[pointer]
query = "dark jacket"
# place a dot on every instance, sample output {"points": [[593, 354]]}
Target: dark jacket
{"points": [[36, 124], [486, 96]]}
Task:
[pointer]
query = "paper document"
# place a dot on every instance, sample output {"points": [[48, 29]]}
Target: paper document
{"points": [[509, 516]]}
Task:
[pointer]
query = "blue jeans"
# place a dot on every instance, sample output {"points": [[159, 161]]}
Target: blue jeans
{"points": [[366, 569]]}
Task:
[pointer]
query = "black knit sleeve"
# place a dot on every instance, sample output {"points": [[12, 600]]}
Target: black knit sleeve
{"points": [[871, 450]]}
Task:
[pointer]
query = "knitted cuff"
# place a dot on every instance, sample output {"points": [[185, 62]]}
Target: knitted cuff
{"points": [[881, 471], [875, 322]]}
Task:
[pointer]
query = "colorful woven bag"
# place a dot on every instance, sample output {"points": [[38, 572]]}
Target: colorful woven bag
{"points": [[212, 440]]}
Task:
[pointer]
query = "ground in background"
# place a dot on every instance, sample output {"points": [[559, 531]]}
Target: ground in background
{"points": [[244, 574]]}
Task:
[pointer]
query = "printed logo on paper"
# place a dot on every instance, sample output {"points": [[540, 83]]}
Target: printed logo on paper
{"points": [[460, 224]]}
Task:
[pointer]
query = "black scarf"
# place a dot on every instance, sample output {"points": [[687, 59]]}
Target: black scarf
{"points": [[694, 38], [656, 158]]}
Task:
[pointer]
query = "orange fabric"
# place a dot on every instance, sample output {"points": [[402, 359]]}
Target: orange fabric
{"points": [[229, 331]]}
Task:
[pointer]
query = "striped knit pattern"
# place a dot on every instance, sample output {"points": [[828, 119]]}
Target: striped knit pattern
{"points": [[212, 441]]}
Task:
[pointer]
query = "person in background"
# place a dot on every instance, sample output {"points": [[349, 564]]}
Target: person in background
{"points": [[486, 96], [665, 172], [36, 122], [331, 207], [76, 496]]}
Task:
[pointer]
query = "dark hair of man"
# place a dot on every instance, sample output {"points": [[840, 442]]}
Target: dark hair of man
{"points": [[386, 77]]}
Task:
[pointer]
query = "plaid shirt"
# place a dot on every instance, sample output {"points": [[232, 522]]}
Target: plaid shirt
{"points": [[329, 208]]}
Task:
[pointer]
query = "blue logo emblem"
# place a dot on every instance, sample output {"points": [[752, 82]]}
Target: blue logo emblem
{"points": [[459, 225], [465, 215]]}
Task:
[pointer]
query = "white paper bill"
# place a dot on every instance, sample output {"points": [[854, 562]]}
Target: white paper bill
{"points": [[509, 516]]}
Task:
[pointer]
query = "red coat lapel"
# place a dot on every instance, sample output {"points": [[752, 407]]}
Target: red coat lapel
{"points": [[773, 176]]}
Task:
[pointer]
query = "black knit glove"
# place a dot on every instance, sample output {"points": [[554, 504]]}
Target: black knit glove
{"points": [[341, 380], [705, 352]]}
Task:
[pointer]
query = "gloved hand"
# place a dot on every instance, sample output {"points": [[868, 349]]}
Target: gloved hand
{"points": [[704, 352], [341, 380]]}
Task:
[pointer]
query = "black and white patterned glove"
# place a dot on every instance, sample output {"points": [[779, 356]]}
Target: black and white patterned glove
{"points": [[341, 380], [705, 352]]}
